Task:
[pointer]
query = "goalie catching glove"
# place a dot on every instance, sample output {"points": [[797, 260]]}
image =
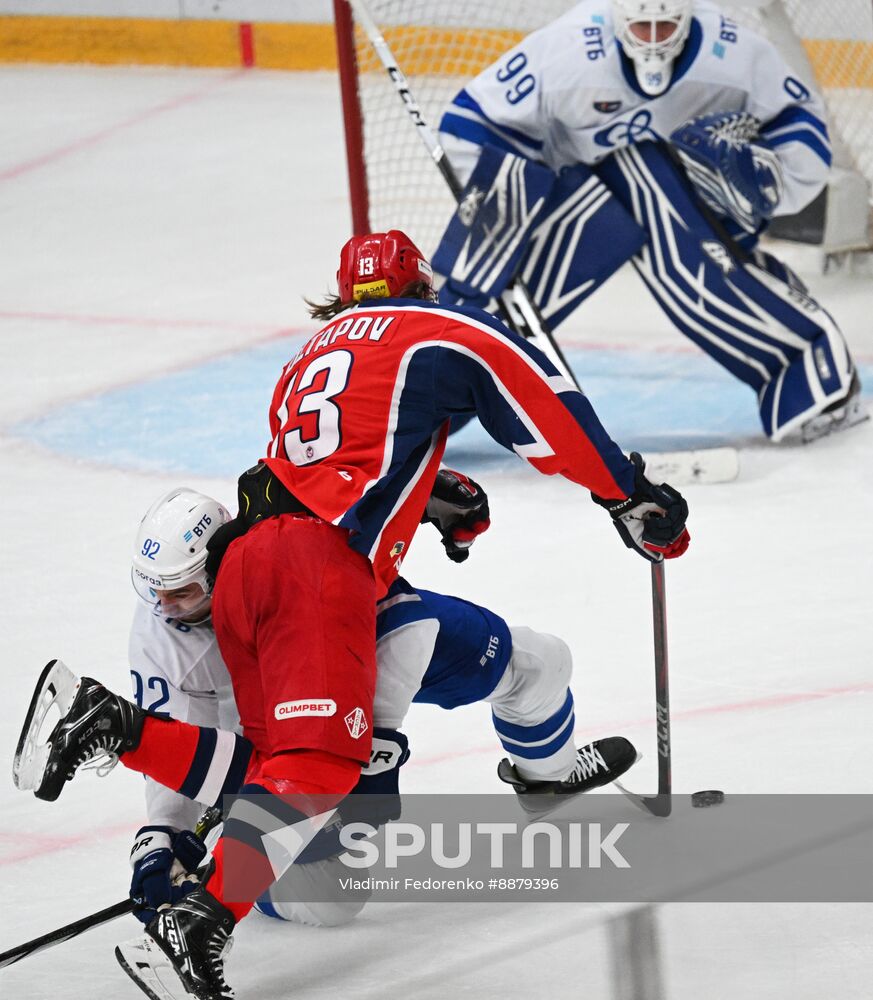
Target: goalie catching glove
{"points": [[164, 868], [734, 172], [652, 519], [459, 509]]}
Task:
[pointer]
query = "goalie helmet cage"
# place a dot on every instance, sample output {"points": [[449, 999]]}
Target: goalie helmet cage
{"points": [[441, 44]]}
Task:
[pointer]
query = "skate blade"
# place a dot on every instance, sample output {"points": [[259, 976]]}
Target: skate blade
{"points": [[57, 686], [151, 970], [552, 802]]}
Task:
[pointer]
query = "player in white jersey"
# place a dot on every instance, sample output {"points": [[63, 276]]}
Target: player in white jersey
{"points": [[430, 648], [697, 133]]}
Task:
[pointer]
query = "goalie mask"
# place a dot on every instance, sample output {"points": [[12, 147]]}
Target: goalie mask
{"points": [[169, 561], [380, 265], [652, 33]]}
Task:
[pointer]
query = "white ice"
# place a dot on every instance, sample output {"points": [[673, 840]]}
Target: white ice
{"points": [[151, 220]]}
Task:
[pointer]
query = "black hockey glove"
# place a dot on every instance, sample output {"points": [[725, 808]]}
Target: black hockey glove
{"points": [[652, 519], [164, 868], [459, 509]]}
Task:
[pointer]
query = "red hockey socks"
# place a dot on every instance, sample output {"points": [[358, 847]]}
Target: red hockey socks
{"points": [[202, 764], [287, 790]]}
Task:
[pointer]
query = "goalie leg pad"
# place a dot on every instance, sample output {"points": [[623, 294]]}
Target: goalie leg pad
{"points": [[583, 237], [565, 235], [482, 247], [754, 324]]}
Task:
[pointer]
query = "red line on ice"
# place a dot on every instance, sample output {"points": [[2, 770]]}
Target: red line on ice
{"points": [[10, 173], [750, 705], [141, 322], [38, 845]]}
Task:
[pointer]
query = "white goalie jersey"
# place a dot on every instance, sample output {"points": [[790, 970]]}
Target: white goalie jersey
{"points": [[566, 94]]}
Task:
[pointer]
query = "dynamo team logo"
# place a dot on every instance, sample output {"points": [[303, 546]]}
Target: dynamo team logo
{"points": [[638, 129]]}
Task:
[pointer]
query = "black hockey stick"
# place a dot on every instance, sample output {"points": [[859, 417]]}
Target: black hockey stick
{"points": [[64, 933], [660, 804], [519, 310], [210, 819]]}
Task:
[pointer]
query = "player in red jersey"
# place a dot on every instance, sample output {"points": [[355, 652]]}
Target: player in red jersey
{"points": [[359, 421]]}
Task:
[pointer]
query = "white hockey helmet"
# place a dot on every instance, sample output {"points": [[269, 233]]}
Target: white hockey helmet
{"points": [[652, 34], [169, 559]]}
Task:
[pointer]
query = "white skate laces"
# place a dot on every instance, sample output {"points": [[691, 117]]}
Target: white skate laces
{"points": [[589, 762], [99, 756]]}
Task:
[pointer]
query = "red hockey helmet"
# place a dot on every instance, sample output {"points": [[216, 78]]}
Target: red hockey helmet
{"points": [[379, 265]]}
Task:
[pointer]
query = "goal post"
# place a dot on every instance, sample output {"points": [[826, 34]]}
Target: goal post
{"points": [[441, 44], [353, 116]]}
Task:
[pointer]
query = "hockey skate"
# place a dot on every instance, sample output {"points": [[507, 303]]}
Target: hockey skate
{"points": [[95, 725], [838, 416], [597, 764], [182, 953]]}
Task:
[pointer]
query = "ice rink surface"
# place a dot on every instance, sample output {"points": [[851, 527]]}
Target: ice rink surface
{"points": [[158, 229]]}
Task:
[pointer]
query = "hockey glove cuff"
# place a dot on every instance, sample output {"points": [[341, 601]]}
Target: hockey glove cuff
{"points": [[652, 519], [458, 507]]}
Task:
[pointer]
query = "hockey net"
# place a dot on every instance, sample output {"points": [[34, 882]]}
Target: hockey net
{"points": [[440, 44]]}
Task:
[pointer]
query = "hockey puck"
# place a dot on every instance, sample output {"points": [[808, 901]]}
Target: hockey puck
{"points": [[712, 797]]}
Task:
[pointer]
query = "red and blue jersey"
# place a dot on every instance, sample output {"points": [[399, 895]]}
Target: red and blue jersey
{"points": [[359, 418]]}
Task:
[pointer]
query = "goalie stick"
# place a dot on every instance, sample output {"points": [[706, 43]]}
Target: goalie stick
{"points": [[518, 308], [208, 821], [660, 804], [708, 465]]}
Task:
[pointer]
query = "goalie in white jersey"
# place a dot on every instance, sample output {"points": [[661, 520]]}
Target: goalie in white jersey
{"points": [[430, 648], [681, 134]]}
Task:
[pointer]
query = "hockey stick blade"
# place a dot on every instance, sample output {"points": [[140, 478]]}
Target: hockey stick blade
{"points": [[705, 466], [654, 805]]}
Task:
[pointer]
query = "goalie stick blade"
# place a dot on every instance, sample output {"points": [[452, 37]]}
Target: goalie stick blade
{"points": [[706, 466], [151, 970], [57, 685]]}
